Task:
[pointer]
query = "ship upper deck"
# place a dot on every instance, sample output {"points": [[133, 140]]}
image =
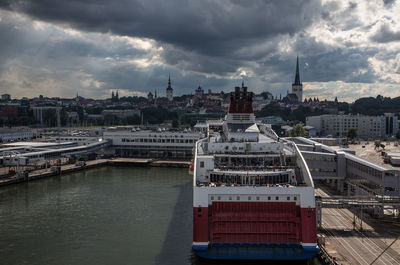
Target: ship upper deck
{"points": [[240, 152]]}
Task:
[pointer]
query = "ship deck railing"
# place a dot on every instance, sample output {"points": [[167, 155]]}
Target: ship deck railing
{"points": [[254, 168], [220, 184]]}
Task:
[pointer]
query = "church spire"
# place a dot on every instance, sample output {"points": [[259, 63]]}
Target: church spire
{"points": [[169, 81], [297, 78]]}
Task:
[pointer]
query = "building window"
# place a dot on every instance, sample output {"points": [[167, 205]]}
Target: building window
{"points": [[238, 198], [201, 163]]}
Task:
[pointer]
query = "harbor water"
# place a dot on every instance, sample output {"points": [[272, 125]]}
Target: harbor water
{"points": [[107, 215]]}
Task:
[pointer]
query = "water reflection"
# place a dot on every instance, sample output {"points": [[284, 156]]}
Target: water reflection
{"points": [[101, 216]]}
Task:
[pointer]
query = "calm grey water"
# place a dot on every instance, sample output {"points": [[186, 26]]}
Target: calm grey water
{"points": [[109, 215]]}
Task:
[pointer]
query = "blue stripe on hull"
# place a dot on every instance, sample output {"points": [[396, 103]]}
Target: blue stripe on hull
{"points": [[255, 251]]}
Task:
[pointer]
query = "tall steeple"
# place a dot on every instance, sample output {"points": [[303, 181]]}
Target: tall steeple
{"points": [[169, 91], [297, 86], [297, 78]]}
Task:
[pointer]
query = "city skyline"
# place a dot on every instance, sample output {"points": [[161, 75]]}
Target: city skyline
{"points": [[346, 49]]}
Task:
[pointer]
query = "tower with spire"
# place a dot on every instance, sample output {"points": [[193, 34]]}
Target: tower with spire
{"points": [[169, 91], [297, 86], [114, 96]]}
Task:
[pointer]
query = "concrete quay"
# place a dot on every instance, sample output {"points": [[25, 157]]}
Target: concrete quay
{"points": [[43, 173]]}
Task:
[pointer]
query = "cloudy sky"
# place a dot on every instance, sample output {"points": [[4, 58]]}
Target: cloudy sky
{"points": [[347, 49]]}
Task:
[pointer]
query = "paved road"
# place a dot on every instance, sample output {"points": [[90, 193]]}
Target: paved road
{"points": [[352, 246]]}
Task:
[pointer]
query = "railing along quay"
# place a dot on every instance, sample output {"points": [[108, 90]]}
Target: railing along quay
{"points": [[346, 202]]}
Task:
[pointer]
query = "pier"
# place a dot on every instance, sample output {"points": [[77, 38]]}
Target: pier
{"points": [[81, 165]]}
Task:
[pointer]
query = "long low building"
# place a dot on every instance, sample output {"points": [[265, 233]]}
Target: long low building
{"points": [[152, 143], [63, 149], [348, 171], [16, 134]]}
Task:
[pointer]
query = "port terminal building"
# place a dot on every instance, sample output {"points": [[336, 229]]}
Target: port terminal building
{"points": [[28, 153], [156, 143], [350, 173]]}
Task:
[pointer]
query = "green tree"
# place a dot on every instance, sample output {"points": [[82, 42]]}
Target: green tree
{"points": [[134, 119], [63, 117], [50, 117], [298, 130], [158, 115], [352, 133]]}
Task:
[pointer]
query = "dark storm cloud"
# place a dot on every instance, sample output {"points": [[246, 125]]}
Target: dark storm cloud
{"points": [[384, 34], [156, 79], [388, 2], [209, 43], [353, 64], [212, 28]]}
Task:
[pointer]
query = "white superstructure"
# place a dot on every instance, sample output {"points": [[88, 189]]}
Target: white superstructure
{"points": [[251, 191]]}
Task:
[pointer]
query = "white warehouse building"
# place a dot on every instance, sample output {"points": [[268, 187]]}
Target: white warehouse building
{"points": [[16, 134]]}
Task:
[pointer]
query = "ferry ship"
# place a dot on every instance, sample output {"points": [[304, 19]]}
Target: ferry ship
{"points": [[253, 195]]}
